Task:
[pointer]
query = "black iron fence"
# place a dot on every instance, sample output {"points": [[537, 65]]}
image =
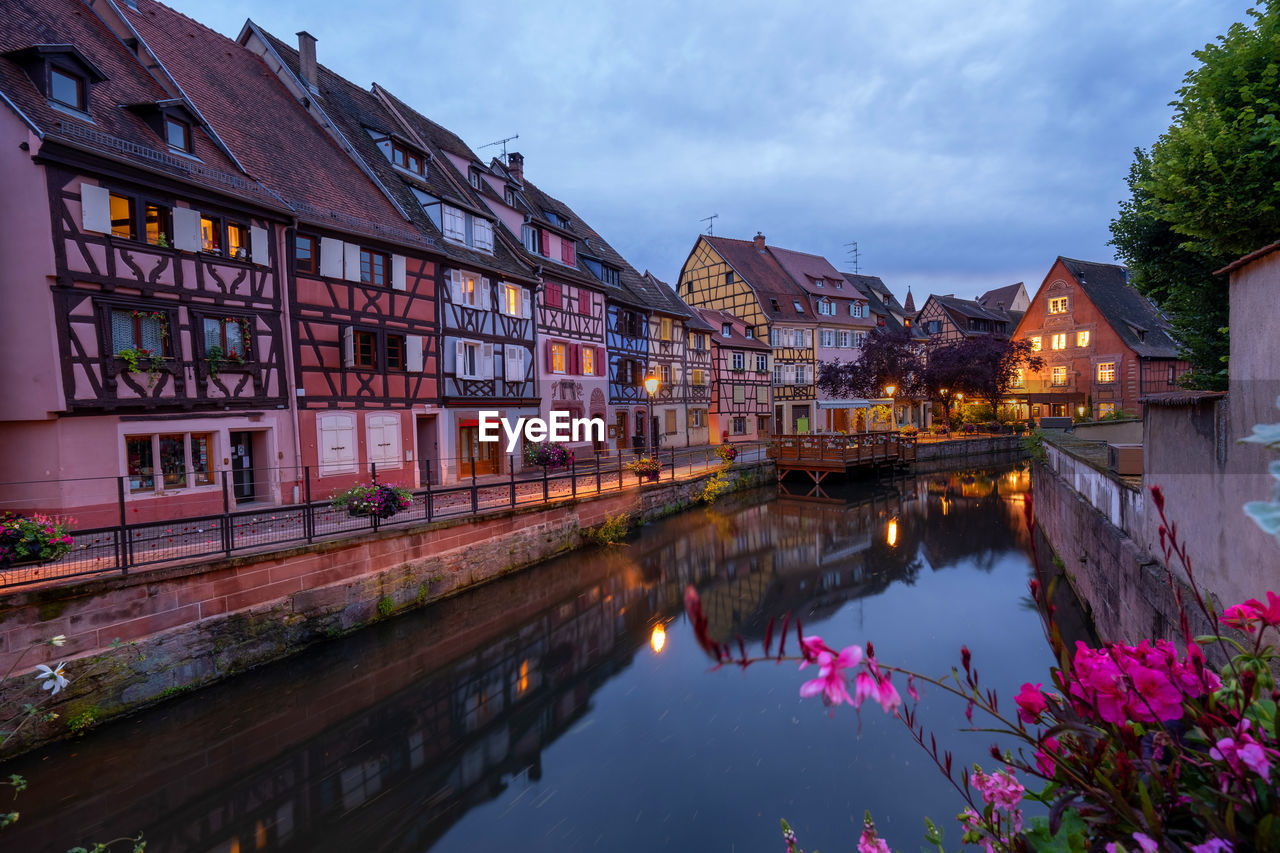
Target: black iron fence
{"points": [[197, 514]]}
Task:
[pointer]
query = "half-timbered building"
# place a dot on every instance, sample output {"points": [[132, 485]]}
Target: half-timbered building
{"points": [[484, 293], [741, 385], [946, 319], [142, 283], [745, 279]]}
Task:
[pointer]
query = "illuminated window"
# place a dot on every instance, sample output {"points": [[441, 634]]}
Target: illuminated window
{"points": [[1107, 371], [121, 216], [237, 241], [1105, 409], [467, 290], [1019, 378], [210, 234], [186, 460], [158, 224], [511, 300], [559, 355], [588, 361], [1059, 376], [1058, 305], [1035, 343], [1082, 339], [1060, 341]]}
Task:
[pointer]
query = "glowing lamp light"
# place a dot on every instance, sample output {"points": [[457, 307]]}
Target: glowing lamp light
{"points": [[658, 638], [651, 384], [889, 389], [892, 535], [1080, 410]]}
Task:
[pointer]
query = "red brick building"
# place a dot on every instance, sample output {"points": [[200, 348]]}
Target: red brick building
{"points": [[1104, 345]]}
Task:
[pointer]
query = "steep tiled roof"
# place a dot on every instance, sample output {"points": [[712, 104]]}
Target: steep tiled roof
{"points": [[761, 270], [874, 302], [115, 132], [536, 203], [1127, 311], [267, 130], [715, 321], [1001, 297], [660, 297], [355, 112], [805, 269], [874, 284], [962, 311]]}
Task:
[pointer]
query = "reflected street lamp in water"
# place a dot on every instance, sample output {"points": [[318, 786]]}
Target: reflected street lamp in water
{"points": [[891, 535], [651, 385], [658, 639]]}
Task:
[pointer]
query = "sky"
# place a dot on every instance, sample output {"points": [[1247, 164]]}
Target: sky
{"points": [[962, 145]]}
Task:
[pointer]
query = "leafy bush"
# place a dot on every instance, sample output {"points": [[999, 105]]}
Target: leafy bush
{"points": [[714, 488], [612, 531], [37, 537]]}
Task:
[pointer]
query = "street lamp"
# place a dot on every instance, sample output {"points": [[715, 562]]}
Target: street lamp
{"points": [[893, 413], [651, 385]]}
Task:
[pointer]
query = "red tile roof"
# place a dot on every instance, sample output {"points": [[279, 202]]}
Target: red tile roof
{"points": [[767, 278]]}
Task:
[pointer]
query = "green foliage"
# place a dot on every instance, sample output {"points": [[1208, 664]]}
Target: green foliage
{"points": [[82, 722], [41, 538], [1208, 191], [385, 606], [613, 530], [714, 488], [1033, 443], [133, 361], [1072, 835]]}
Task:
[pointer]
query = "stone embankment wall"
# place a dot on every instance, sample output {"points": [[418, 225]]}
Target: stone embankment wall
{"points": [[961, 448], [1093, 519], [137, 639]]}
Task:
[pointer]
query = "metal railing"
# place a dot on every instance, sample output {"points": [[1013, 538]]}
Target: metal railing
{"points": [[215, 525]]}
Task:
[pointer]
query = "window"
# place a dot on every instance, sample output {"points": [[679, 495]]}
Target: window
{"points": [[158, 224], [304, 254], [1058, 305], [827, 337], [144, 331], [407, 159], [1082, 339], [773, 303], [1059, 341], [1019, 377], [559, 357], [698, 376], [474, 177], [121, 216], [67, 89], [817, 282], [1059, 376], [237, 241], [748, 333], [210, 234], [859, 338], [827, 307], [186, 461], [373, 267], [697, 418], [664, 329], [664, 374], [844, 339], [177, 134], [229, 334], [762, 363], [670, 422], [857, 309], [511, 300], [796, 303], [395, 352], [366, 349], [609, 275], [739, 426], [1035, 343], [728, 277], [726, 330], [1107, 371], [509, 196], [532, 239], [1105, 409], [588, 361], [739, 361], [470, 368], [699, 341]]}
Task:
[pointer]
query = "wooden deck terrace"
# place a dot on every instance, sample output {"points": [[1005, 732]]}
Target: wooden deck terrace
{"points": [[819, 456]]}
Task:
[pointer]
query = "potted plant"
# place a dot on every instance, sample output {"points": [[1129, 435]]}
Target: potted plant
{"points": [[31, 539], [377, 499], [548, 454], [940, 429], [968, 429], [909, 430], [646, 468], [143, 360], [727, 453]]}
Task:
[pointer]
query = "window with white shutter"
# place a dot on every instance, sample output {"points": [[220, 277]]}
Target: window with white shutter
{"points": [[348, 346], [95, 209], [455, 225], [739, 394], [382, 436], [514, 368], [413, 353], [483, 233], [482, 295], [259, 245], [186, 229], [762, 394], [486, 361], [336, 434], [398, 278], [331, 254]]}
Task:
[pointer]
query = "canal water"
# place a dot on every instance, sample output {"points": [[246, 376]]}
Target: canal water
{"points": [[568, 707]]}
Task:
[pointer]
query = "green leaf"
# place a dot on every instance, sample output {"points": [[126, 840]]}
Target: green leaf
{"points": [[1072, 837]]}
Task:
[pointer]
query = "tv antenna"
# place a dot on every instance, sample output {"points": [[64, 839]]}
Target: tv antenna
{"points": [[854, 254], [502, 142], [711, 223]]}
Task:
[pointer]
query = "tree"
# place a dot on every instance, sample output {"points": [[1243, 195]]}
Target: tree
{"points": [[982, 366], [887, 358], [945, 375], [1209, 191]]}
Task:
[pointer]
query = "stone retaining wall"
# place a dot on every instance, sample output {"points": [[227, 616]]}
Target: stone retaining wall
{"points": [[137, 639]]}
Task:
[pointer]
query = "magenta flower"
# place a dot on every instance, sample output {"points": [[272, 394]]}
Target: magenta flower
{"points": [[888, 698], [1145, 843], [1045, 756], [1031, 703], [831, 679], [1213, 845], [812, 646]]}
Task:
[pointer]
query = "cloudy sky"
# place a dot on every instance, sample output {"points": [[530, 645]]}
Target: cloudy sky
{"points": [[963, 145]]}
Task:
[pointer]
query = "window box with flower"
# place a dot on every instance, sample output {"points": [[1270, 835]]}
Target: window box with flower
{"points": [[140, 342], [33, 539], [377, 499]]}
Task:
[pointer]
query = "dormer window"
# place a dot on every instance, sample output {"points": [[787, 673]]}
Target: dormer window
{"points": [[474, 177], [178, 134], [839, 284], [400, 154], [509, 196], [68, 89], [773, 303], [817, 282], [749, 333], [796, 303], [726, 330]]}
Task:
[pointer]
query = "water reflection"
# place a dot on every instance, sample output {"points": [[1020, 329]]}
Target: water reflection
{"points": [[432, 728]]}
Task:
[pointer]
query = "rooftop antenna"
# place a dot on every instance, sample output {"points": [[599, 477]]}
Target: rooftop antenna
{"points": [[502, 142], [711, 223], [853, 254]]}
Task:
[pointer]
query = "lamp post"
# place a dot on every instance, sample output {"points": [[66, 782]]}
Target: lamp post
{"points": [[651, 386], [893, 413]]}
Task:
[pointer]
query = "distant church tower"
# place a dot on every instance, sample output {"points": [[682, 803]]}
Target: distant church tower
{"points": [[910, 305]]}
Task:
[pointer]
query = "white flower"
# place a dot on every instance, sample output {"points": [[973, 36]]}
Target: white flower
{"points": [[53, 678], [60, 640]]}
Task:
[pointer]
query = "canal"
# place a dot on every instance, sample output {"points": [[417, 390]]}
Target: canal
{"points": [[568, 707]]}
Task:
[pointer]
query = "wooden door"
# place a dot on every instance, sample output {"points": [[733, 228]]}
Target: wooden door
{"points": [[476, 458]]}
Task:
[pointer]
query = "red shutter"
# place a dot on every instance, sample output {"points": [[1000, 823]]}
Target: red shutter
{"points": [[567, 254], [550, 362], [585, 298], [552, 295], [546, 243], [577, 359], [602, 362]]}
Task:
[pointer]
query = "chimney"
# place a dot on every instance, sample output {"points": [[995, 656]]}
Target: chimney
{"points": [[759, 241], [515, 165], [307, 60]]}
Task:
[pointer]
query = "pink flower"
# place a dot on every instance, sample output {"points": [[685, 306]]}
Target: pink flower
{"points": [[812, 646], [1239, 616], [889, 698], [1045, 756], [1213, 845], [831, 679], [1145, 843], [1031, 703], [869, 843]]}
